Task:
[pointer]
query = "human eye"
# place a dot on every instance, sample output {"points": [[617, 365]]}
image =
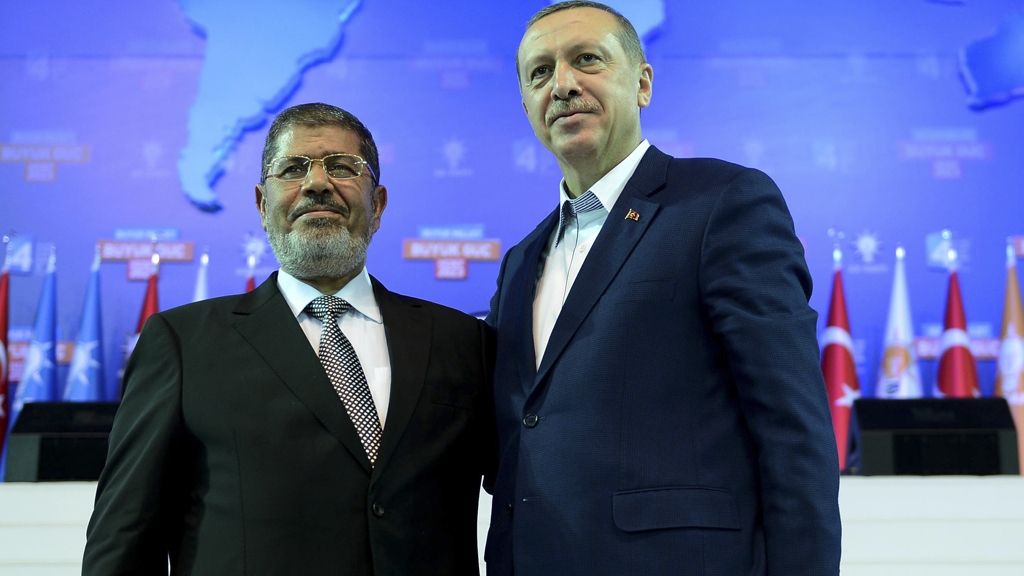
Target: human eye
{"points": [[341, 166], [290, 168], [588, 58], [539, 71]]}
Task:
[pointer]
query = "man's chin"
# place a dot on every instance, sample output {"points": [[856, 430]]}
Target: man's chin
{"points": [[579, 144]]}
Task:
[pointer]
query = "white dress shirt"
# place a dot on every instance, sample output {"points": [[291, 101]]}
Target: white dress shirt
{"points": [[561, 264], [363, 326]]}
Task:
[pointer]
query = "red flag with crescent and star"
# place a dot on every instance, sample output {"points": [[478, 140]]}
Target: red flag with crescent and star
{"points": [[150, 306], [838, 367], [4, 309], [958, 373]]}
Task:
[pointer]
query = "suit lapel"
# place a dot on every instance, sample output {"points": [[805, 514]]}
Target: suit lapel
{"points": [[522, 291], [264, 319], [408, 330], [627, 221]]}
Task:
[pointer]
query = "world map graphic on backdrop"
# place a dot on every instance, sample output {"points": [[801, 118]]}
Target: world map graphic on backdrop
{"points": [[993, 68], [234, 99]]}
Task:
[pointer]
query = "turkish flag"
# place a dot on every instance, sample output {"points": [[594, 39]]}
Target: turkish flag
{"points": [[838, 367], [151, 303], [4, 309], [958, 375]]}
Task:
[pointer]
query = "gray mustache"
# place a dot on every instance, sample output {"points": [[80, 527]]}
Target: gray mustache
{"points": [[574, 104], [314, 203]]}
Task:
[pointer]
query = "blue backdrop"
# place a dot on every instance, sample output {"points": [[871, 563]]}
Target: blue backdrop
{"points": [[885, 121]]}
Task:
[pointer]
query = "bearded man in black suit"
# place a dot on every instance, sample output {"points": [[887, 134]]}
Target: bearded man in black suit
{"points": [[319, 424]]}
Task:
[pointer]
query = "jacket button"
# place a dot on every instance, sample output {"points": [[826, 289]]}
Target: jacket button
{"points": [[377, 509], [531, 420], [509, 509]]}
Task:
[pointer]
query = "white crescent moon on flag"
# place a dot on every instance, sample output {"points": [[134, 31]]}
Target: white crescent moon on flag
{"points": [[836, 335], [954, 337]]}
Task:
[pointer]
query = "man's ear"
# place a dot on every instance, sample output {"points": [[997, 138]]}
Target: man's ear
{"points": [[261, 205], [643, 97], [380, 201]]}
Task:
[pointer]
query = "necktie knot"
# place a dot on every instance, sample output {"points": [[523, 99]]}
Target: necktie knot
{"points": [[573, 206], [326, 308]]}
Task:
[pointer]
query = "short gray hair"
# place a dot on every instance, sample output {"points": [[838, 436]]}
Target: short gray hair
{"points": [[627, 35], [315, 116]]}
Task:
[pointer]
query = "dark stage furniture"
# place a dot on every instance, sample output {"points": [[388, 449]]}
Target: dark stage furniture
{"points": [[59, 441], [931, 436]]}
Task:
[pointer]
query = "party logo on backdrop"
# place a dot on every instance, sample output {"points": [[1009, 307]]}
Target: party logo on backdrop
{"points": [[454, 152], [867, 245], [151, 162], [256, 248], [452, 248]]}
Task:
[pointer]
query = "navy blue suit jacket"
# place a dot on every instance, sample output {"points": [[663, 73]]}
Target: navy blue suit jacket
{"points": [[678, 423]]}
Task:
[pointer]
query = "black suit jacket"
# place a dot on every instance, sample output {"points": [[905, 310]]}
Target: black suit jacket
{"points": [[232, 453], [678, 422]]}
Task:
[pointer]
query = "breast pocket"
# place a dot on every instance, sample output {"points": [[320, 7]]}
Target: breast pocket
{"points": [[663, 289], [674, 507]]}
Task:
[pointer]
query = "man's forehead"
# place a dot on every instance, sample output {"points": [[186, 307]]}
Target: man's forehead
{"points": [[317, 139], [567, 28]]}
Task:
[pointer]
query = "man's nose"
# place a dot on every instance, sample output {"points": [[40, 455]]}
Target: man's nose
{"points": [[565, 85], [316, 180]]}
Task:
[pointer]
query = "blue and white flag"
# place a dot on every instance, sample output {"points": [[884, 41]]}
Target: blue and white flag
{"points": [[39, 378], [85, 375]]}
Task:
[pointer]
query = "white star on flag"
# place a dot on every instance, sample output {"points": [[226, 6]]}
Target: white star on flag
{"points": [[36, 360], [849, 395], [82, 361]]}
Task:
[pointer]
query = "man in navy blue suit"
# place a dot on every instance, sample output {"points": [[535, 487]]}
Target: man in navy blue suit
{"points": [[660, 406]]}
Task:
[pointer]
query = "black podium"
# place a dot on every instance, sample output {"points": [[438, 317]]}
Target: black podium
{"points": [[59, 441], [931, 436]]}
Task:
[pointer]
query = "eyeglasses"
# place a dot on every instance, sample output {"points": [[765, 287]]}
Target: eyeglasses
{"points": [[337, 166]]}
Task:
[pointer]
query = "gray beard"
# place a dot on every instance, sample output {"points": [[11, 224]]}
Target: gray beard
{"points": [[323, 251]]}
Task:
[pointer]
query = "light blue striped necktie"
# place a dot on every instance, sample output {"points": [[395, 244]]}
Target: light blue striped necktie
{"points": [[573, 206]]}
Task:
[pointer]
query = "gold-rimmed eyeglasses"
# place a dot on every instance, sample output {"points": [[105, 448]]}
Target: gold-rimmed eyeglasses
{"points": [[337, 166]]}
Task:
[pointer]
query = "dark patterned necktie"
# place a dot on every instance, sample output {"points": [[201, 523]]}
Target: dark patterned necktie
{"points": [[346, 374]]}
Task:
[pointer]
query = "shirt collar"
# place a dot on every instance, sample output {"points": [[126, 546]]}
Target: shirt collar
{"points": [[358, 292], [610, 186]]}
